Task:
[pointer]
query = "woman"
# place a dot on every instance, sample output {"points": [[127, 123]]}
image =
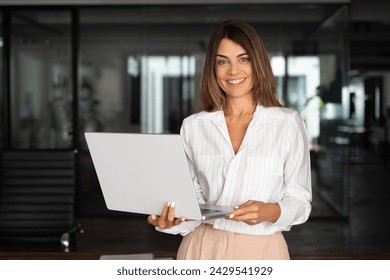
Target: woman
{"points": [[244, 150]]}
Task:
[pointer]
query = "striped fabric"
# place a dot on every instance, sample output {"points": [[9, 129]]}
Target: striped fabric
{"points": [[272, 165]]}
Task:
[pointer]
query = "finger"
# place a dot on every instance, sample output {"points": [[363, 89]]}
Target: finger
{"points": [[171, 214], [245, 217], [178, 221], [152, 219], [249, 202], [162, 221], [243, 209], [245, 205], [164, 212]]}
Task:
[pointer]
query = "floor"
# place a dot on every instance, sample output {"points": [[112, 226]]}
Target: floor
{"points": [[361, 231]]}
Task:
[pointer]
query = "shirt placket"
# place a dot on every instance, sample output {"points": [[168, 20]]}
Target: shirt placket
{"points": [[233, 163]]}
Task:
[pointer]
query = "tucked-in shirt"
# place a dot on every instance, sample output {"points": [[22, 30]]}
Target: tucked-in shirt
{"points": [[271, 165]]}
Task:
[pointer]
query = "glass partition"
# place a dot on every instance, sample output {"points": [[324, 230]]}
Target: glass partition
{"points": [[1, 84], [312, 79], [316, 87], [40, 80]]}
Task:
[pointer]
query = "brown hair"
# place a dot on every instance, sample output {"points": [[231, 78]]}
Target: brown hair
{"points": [[212, 96]]}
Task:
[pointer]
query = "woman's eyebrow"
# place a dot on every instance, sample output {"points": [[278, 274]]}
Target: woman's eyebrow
{"points": [[224, 56], [242, 54]]}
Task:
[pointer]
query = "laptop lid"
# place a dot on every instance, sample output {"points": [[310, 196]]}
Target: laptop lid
{"points": [[139, 173]]}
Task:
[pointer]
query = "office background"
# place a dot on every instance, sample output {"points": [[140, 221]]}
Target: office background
{"points": [[69, 67]]}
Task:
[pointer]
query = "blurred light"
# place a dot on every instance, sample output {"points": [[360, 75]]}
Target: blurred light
{"points": [[278, 64]]}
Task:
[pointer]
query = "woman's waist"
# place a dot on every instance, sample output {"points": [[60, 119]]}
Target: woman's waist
{"points": [[264, 228]]}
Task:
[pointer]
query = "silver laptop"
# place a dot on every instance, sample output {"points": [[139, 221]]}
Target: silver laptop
{"points": [[139, 173]]}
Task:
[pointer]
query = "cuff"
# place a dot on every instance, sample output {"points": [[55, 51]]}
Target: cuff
{"points": [[183, 229], [286, 216]]}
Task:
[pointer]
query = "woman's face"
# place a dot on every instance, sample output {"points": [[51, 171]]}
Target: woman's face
{"points": [[233, 69]]}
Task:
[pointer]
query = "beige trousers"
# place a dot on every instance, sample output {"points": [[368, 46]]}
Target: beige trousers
{"points": [[207, 243]]}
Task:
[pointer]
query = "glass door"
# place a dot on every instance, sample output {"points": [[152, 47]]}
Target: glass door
{"points": [[40, 80], [317, 88], [38, 162], [2, 113]]}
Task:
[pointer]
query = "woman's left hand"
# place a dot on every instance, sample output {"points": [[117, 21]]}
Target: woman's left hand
{"points": [[254, 212]]}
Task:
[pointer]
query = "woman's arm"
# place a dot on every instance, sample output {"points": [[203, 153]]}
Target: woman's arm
{"points": [[295, 203], [185, 135]]}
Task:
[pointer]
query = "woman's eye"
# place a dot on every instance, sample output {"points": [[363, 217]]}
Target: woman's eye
{"points": [[222, 62], [244, 59]]}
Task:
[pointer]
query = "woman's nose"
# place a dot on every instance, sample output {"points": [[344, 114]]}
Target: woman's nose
{"points": [[233, 68]]}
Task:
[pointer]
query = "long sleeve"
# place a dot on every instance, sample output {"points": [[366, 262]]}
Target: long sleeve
{"points": [[190, 160], [296, 198]]}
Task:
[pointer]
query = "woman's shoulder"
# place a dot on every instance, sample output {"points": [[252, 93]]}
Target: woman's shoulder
{"points": [[203, 115], [199, 120], [279, 112]]}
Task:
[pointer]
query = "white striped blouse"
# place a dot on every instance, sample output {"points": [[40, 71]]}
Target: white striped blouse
{"points": [[271, 165]]}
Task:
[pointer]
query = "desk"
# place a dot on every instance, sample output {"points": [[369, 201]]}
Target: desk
{"points": [[96, 256], [70, 255]]}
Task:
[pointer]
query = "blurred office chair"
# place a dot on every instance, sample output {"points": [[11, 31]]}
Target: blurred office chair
{"points": [[37, 200]]}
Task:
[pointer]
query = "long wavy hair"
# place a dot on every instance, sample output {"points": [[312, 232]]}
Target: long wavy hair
{"points": [[212, 97]]}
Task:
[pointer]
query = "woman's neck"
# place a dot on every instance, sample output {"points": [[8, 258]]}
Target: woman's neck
{"points": [[239, 108]]}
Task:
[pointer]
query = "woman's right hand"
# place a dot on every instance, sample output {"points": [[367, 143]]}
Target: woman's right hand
{"points": [[167, 218]]}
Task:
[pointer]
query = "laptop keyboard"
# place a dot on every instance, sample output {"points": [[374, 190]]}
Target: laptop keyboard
{"points": [[207, 211]]}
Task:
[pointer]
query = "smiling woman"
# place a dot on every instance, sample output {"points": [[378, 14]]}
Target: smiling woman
{"points": [[233, 69], [234, 47], [262, 154]]}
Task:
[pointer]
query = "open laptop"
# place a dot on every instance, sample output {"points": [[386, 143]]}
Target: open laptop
{"points": [[139, 173]]}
